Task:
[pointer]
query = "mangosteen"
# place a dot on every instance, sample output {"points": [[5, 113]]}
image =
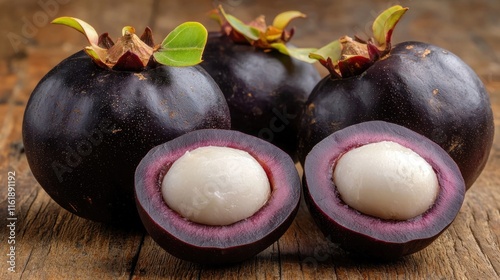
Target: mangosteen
{"points": [[381, 190], [265, 80], [216, 196], [417, 85], [95, 115]]}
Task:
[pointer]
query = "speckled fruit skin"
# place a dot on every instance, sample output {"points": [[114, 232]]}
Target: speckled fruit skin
{"points": [[419, 86], [366, 235], [217, 244], [85, 129], [265, 91]]}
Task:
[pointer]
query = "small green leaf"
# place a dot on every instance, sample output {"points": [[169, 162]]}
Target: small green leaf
{"points": [[183, 46], [385, 23], [249, 32], [97, 53], [92, 53], [80, 26], [245, 30], [298, 53], [333, 51], [282, 20]]}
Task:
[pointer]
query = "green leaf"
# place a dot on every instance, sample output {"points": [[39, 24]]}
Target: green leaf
{"points": [[282, 20], [92, 53], [81, 26], [245, 30], [298, 53], [183, 46], [385, 23], [333, 51], [97, 53], [249, 32]]}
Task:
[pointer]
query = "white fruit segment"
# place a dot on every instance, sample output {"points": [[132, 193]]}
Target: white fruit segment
{"points": [[386, 180], [216, 185]]}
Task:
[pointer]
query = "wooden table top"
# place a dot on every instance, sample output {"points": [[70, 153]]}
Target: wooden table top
{"points": [[51, 243]]}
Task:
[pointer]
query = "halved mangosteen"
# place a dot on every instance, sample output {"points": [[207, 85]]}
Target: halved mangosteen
{"points": [[216, 196], [381, 190], [414, 84]]}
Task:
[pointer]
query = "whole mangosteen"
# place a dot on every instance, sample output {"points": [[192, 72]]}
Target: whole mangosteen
{"points": [[265, 80], [381, 190], [216, 196], [95, 115], [417, 85]]}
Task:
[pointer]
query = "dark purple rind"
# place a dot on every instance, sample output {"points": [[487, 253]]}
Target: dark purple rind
{"points": [[85, 129], [265, 90], [420, 86], [367, 235], [217, 244]]}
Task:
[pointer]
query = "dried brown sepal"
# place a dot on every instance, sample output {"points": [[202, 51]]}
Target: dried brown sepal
{"points": [[105, 41], [130, 51], [147, 37], [128, 61], [183, 46], [354, 65], [331, 67], [262, 36], [350, 57]]}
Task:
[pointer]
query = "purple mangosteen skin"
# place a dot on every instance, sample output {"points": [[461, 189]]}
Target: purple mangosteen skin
{"points": [[366, 235], [217, 245], [419, 86], [265, 91], [85, 129]]}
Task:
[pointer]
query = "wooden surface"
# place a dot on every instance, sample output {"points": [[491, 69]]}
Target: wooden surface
{"points": [[50, 243]]}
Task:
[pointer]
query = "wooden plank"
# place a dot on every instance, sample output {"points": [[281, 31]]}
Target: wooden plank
{"points": [[53, 244]]}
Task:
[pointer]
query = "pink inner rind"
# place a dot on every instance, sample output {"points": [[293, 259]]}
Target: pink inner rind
{"points": [[281, 205], [318, 172]]}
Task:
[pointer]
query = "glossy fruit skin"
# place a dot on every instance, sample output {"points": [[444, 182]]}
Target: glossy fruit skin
{"points": [[419, 86], [85, 129], [366, 235], [265, 91], [217, 244]]}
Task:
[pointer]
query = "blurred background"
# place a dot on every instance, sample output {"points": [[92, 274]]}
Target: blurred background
{"points": [[27, 32]]}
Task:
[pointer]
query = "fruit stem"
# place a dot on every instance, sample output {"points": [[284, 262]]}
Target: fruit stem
{"points": [[262, 36], [347, 57], [182, 47]]}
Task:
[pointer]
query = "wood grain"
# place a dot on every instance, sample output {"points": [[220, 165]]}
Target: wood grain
{"points": [[54, 244]]}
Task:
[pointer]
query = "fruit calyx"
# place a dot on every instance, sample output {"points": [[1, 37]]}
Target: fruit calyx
{"points": [[182, 47], [347, 57], [262, 36]]}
